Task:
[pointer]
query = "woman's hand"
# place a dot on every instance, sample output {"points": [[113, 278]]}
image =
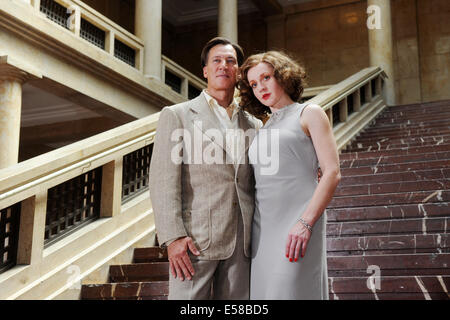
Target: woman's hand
{"points": [[297, 242]]}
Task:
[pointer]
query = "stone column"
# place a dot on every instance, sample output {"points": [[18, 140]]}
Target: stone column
{"points": [[228, 20], [12, 75], [380, 43], [10, 110], [148, 27]]}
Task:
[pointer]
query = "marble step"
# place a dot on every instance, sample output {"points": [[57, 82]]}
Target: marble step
{"points": [[392, 187], [418, 175], [386, 144], [425, 122], [417, 287], [388, 245], [419, 108], [392, 212], [391, 153], [371, 133], [139, 272], [394, 159], [156, 290], [388, 227], [392, 117], [399, 140], [390, 265], [418, 197], [153, 254], [391, 168]]}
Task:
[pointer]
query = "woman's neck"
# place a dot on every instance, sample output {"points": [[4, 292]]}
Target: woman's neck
{"points": [[284, 102]]}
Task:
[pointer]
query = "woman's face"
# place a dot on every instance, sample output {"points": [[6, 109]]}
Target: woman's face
{"points": [[265, 87]]}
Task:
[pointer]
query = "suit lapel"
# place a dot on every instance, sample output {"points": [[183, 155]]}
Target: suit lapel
{"points": [[204, 119]]}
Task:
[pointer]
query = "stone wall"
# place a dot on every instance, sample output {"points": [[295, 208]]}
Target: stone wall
{"points": [[332, 42], [434, 48]]}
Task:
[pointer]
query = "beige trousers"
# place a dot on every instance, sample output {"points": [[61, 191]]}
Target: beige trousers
{"points": [[217, 279]]}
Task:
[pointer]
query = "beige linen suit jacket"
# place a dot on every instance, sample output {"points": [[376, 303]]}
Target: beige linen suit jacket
{"points": [[197, 199]]}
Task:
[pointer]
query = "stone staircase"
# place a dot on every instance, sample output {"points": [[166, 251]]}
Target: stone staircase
{"points": [[387, 224], [147, 278]]}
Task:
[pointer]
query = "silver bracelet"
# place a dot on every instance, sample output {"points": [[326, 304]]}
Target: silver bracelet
{"points": [[307, 226]]}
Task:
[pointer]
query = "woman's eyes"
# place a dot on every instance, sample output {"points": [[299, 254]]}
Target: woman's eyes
{"points": [[266, 77], [253, 85]]}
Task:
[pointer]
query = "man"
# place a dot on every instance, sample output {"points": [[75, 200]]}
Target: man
{"points": [[203, 209]]}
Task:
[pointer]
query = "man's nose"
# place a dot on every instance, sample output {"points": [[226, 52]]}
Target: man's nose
{"points": [[223, 64]]}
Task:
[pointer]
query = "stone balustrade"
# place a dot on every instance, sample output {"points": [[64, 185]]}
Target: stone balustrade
{"points": [[353, 103], [74, 208], [181, 80]]}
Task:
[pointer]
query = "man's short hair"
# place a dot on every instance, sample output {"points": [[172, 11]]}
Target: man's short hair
{"points": [[223, 41]]}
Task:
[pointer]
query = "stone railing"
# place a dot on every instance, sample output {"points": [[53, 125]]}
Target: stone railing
{"points": [[310, 93], [353, 103], [181, 80], [66, 213], [85, 22], [95, 28]]}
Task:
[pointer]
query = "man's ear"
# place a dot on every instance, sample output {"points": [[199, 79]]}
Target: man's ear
{"points": [[205, 72]]}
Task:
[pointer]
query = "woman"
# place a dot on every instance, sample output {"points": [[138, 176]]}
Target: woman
{"points": [[288, 239]]}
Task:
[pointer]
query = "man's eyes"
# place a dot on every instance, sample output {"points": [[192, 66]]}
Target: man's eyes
{"points": [[229, 61]]}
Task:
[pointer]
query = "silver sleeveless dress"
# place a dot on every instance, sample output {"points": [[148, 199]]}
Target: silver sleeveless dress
{"points": [[285, 165]]}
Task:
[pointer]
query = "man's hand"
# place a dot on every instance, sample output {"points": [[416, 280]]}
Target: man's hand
{"points": [[179, 259]]}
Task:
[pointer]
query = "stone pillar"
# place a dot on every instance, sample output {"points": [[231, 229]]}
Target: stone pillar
{"points": [[228, 20], [148, 27], [380, 43], [10, 110], [12, 75]]}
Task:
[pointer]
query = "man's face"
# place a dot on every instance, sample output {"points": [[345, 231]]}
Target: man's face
{"points": [[221, 69]]}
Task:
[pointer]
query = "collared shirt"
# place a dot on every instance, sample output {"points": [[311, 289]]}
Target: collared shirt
{"points": [[229, 126]]}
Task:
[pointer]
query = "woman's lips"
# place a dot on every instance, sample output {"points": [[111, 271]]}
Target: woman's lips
{"points": [[266, 96]]}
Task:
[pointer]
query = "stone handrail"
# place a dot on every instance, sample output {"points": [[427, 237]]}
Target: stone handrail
{"points": [[78, 10], [314, 91], [186, 77], [353, 103]]}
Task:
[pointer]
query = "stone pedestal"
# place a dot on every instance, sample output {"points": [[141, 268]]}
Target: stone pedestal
{"points": [[228, 20], [380, 43], [148, 27]]}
